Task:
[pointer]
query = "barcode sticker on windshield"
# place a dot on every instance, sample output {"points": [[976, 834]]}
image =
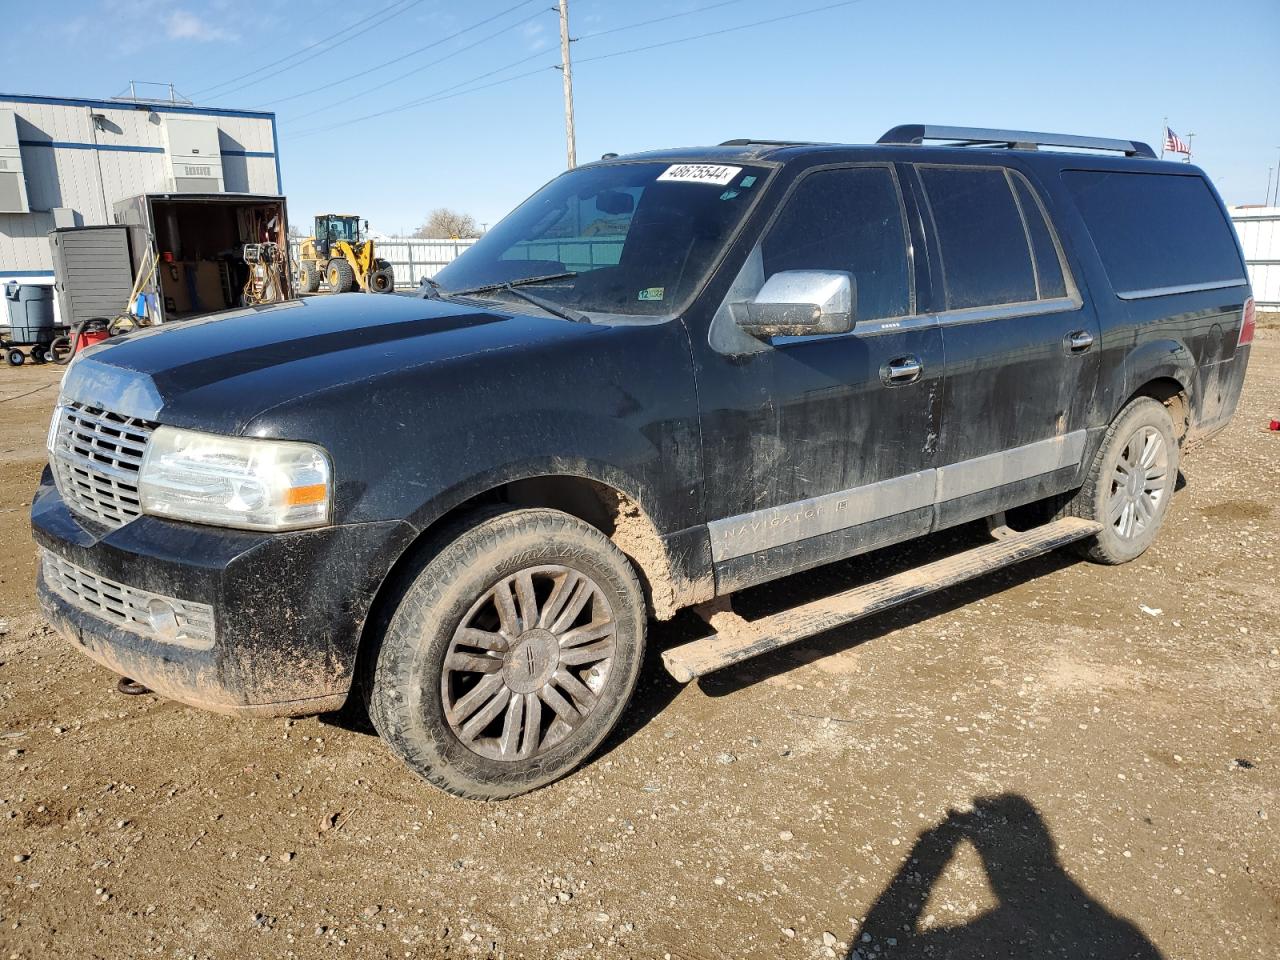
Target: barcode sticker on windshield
{"points": [[713, 173]]}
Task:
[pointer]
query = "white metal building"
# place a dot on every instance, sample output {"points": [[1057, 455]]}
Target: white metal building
{"points": [[1259, 230], [64, 162]]}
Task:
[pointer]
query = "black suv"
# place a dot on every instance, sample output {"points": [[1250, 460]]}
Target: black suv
{"points": [[661, 379]]}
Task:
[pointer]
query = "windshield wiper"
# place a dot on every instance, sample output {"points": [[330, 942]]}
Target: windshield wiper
{"points": [[508, 284], [561, 311]]}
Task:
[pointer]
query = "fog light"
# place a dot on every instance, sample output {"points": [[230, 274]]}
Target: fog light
{"points": [[164, 619]]}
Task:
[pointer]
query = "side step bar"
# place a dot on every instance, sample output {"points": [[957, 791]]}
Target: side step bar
{"points": [[737, 639]]}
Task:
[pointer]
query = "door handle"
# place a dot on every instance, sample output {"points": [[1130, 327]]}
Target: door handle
{"points": [[1078, 341], [901, 371]]}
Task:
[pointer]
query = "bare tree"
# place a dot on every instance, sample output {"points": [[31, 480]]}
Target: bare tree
{"points": [[445, 224]]}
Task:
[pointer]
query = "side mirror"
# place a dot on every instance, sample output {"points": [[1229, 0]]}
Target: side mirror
{"points": [[798, 303]]}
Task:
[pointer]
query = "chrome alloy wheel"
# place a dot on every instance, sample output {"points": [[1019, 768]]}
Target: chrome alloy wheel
{"points": [[528, 661], [1139, 483]]}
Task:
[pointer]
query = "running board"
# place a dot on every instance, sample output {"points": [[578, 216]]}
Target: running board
{"points": [[737, 639]]}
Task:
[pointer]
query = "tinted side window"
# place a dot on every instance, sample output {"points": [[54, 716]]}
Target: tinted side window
{"points": [[985, 258], [847, 220], [1048, 266], [1155, 230]]}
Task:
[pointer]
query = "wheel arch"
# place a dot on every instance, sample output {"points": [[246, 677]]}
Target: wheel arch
{"points": [[605, 504], [1165, 371]]}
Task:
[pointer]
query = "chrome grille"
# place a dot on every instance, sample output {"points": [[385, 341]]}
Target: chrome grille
{"points": [[96, 456], [129, 607]]}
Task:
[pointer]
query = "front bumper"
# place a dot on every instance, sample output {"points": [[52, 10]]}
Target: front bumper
{"points": [[288, 608]]}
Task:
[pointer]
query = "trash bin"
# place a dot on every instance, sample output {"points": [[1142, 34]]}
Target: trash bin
{"points": [[30, 313]]}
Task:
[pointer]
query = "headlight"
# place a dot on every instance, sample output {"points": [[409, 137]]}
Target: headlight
{"points": [[240, 482]]}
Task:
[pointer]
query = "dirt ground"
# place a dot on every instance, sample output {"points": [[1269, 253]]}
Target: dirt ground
{"points": [[1064, 760]]}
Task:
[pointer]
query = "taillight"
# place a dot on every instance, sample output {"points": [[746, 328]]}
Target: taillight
{"points": [[1247, 324]]}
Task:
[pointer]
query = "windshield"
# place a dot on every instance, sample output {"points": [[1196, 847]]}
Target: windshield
{"points": [[339, 228], [632, 239]]}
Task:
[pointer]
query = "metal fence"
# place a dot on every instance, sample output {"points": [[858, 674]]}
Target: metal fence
{"points": [[411, 259], [1259, 230]]}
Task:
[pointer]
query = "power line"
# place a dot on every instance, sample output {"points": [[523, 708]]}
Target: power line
{"points": [[373, 20], [442, 94], [717, 33], [296, 53], [645, 23], [408, 73], [516, 63], [412, 53], [446, 95]]}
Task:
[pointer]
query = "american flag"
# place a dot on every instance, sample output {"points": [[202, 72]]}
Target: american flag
{"points": [[1174, 143]]}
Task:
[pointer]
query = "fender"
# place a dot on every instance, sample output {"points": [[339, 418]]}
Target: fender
{"points": [[1154, 360]]}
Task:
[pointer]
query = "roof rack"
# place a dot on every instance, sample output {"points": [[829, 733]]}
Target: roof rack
{"points": [[917, 133]]}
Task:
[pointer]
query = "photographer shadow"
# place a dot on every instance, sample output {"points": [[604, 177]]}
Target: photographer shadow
{"points": [[1041, 911]]}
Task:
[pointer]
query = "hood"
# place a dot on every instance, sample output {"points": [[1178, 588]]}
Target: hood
{"points": [[218, 373]]}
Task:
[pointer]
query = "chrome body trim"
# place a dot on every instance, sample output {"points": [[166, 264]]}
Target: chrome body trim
{"points": [[1006, 311], [1184, 288], [127, 607], [961, 479], [778, 526]]}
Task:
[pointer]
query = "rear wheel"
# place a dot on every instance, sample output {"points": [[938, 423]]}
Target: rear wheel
{"points": [[382, 280], [340, 277], [308, 277], [1131, 482], [15, 357], [511, 655]]}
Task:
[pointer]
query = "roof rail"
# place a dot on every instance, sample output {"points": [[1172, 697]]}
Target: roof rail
{"points": [[916, 133], [752, 142]]}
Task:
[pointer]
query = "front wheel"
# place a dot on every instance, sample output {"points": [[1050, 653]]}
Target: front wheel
{"points": [[511, 655], [1131, 483], [340, 277], [15, 357]]}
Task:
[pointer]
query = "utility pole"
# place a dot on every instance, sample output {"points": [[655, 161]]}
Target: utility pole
{"points": [[566, 68], [1266, 197]]}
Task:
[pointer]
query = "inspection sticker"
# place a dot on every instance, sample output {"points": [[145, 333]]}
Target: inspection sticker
{"points": [[713, 173]]}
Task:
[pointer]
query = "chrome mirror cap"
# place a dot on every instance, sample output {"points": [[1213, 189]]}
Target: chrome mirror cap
{"points": [[797, 303]]}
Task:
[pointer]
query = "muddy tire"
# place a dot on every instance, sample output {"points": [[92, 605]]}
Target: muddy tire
{"points": [[308, 277], [340, 277], [510, 656], [1130, 484], [382, 280]]}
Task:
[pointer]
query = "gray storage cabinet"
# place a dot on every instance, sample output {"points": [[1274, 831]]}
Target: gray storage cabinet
{"points": [[94, 272]]}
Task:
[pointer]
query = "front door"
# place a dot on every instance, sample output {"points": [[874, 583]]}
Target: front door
{"points": [[819, 447], [1021, 345]]}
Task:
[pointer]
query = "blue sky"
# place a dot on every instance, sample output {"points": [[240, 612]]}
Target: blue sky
{"points": [[847, 74]]}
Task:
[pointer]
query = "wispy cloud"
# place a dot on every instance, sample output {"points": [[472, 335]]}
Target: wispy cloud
{"points": [[185, 25], [535, 36]]}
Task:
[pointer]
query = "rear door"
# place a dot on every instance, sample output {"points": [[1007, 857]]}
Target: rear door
{"points": [[1021, 344]]}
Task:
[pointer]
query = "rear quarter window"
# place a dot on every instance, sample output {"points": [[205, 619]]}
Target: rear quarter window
{"points": [[1154, 231]]}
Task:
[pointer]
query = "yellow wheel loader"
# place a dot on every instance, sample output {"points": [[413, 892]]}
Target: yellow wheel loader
{"points": [[342, 256]]}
